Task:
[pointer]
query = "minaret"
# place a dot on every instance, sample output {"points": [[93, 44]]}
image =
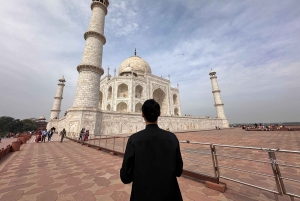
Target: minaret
{"points": [[217, 96], [57, 99], [90, 69]]}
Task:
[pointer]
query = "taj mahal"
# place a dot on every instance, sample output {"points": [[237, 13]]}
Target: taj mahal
{"points": [[111, 105]]}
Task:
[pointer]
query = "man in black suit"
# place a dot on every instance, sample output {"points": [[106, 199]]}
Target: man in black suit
{"points": [[152, 160]]}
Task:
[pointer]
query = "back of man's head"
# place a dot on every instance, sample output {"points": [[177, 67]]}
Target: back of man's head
{"points": [[151, 110]]}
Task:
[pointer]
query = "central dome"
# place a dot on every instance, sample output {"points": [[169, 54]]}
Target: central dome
{"points": [[138, 65]]}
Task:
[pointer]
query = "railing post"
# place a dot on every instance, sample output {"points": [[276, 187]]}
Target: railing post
{"points": [[272, 158], [217, 171], [106, 141], [215, 167], [279, 174], [114, 142]]}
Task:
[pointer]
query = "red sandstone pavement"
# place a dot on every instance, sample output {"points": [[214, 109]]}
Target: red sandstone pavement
{"points": [[70, 171], [6, 141]]}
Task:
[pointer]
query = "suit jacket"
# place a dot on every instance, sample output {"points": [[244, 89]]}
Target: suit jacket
{"points": [[152, 161]]}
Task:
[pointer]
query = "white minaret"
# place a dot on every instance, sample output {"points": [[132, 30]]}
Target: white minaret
{"points": [[90, 69], [217, 96], [57, 99]]}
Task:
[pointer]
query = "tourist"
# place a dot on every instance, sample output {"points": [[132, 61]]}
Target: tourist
{"points": [[86, 135], [50, 133], [44, 134], [0, 138], [152, 160], [62, 135], [81, 134]]}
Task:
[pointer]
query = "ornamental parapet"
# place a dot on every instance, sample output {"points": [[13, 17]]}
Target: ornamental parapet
{"points": [[219, 104], [96, 35], [212, 77], [90, 68], [214, 91], [98, 4]]}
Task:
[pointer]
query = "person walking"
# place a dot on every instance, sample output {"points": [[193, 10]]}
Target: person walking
{"points": [[62, 135], [86, 135], [44, 134], [81, 134], [50, 133], [152, 160]]}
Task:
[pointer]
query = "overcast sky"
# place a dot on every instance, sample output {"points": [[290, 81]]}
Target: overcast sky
{"points": [[253, 46]]}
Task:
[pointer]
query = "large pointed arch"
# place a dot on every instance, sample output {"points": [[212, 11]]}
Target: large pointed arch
{"points": [[160, 97], [123, 91]]}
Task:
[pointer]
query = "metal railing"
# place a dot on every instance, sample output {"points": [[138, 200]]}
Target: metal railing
{"points": [[262, 164]]}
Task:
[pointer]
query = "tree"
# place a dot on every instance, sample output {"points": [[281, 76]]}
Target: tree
{"points": [[9, 124], [28, 125]]}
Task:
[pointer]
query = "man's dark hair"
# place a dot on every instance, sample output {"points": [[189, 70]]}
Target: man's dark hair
{"points": [[151, 110]]}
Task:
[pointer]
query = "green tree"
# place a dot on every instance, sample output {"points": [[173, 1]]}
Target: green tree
{"points": [[29, 125], [6, 124]]}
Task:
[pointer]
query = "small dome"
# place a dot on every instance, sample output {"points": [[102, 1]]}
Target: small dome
{"points": [[139, 66], [42, 118], [212, 72], [62, 79]]}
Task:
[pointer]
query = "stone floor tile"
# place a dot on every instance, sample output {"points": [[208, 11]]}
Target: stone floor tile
{"points": [[77, 188], [120, 196], [12, 196], [49, 195], [85, 195], [196, 196]]}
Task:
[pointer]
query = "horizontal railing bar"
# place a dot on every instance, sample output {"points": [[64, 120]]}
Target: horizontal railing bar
{"points": [[289, 151], [199, 162], [188, 142], [294, 180], [237, 169], [247, 184], [200, 152], [286, 165], [242, 147], [243, 158], [293, 195]]}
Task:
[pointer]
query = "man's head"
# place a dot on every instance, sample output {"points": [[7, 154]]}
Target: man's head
{"points": [[151, 110]]}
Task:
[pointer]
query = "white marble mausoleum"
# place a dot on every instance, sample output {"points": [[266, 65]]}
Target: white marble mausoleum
{"points": [[111, 105]]}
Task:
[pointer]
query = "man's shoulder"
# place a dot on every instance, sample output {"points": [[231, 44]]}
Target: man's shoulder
{"points": [[160, 133]]}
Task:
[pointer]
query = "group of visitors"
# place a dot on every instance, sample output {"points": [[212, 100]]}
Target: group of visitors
{"points": [[48, 134], [84, 135], [42, 135], [263, 127], [9, 135]]}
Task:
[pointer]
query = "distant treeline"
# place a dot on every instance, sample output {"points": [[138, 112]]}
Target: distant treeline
{"points": [[9, 124]]}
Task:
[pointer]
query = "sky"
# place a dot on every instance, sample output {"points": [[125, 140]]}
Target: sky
{"points": [[253, 46]]}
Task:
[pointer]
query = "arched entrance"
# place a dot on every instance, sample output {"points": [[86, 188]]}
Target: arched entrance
{"points": [[138, 108], [160, 97], [109, 93], [122, 107], [123, 91], [176, 112], [175, 99], [139, 91]]}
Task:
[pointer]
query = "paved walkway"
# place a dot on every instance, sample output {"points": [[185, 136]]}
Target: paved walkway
{"points": [[6, 141], [69, 171]]}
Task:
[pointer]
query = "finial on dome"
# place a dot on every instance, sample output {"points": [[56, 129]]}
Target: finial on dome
{"points": [[135, 52]]}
